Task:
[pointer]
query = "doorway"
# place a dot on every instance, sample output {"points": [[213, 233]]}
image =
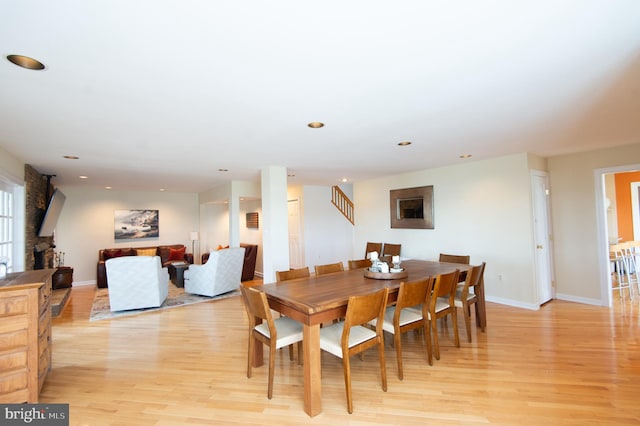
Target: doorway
{"points": [[605, 202]]}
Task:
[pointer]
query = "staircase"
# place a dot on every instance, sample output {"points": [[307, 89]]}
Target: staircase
{"points": [[342, 203]]}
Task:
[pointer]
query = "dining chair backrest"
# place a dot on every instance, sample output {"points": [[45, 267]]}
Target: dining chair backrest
{"points": [[292, 274], [474, 276], [363, 308], [455, 258], [257, 306], [371, 247], [329, 268], [445, 285], [413, 293], [391, 249], [359, 264]]}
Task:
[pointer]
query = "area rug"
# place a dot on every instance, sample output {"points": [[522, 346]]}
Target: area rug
{"points": [[177, 297]]}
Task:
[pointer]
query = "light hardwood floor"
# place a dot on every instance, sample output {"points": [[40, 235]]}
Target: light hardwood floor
{"points": [[567, 363]]}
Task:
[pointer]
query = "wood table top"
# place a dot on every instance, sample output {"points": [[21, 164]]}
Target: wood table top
{"points": [[314, 295]]}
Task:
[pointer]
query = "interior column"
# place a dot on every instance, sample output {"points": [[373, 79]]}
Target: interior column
{"points": [[275, 231]]}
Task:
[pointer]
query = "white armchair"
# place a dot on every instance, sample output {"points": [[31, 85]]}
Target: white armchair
{"points": [[220, 274], [136, 282]]}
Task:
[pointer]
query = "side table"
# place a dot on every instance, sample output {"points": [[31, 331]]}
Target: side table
{"points": [[176, 272]]}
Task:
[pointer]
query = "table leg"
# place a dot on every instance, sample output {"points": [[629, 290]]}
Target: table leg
{"points": [[312, 370]]}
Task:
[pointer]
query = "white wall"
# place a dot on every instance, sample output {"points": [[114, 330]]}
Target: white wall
{"points": [[573, 199], [86, 224], [328, 235], [482, 209]]}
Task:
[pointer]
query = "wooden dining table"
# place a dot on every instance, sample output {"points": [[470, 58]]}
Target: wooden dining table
{"points": [[316, 300]]}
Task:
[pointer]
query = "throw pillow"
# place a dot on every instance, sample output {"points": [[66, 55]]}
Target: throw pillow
{"points": [[176, 254], [146, 252], [110, 254]]}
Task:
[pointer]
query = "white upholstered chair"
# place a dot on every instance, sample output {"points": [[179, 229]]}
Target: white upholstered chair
{"points": [[221, 273], [136, 282]]}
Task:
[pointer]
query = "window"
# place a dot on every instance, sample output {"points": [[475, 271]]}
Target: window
{"points": [[6, 228], [11, 226]]}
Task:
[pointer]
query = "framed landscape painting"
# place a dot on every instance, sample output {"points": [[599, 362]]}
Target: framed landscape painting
{"points": [[135, 224]]}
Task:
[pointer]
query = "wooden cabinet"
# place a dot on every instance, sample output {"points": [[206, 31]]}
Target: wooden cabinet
{"points": [[25, 335]]}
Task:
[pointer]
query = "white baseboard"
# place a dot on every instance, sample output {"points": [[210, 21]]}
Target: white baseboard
{"points": [[81, 283], [514, 303], [586, 301]]}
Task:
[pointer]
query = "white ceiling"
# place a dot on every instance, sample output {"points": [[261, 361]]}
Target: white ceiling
{"points": [[162, 93]]}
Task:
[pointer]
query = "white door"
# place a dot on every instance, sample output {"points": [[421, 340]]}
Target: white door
{"points": [[295, 247], [542, 236]]}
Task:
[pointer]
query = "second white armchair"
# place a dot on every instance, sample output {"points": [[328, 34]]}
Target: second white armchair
{"points": [[220, 274]]}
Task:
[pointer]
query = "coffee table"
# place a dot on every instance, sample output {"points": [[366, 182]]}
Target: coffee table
{"points": [[176, 272]]}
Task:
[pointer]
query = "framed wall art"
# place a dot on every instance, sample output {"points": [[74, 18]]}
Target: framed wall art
{"points": [[412, 208], [135, 224]]}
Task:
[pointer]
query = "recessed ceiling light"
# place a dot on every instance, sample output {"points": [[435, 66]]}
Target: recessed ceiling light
{"points": [[404, 143], [315, 124], [83, 177], [466, 156], [108, 187], [25, 62], [161, 189], [70, 157], [344, 180]]}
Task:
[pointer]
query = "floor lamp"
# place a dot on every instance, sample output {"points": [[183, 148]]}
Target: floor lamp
{"points": [[193, 235]]}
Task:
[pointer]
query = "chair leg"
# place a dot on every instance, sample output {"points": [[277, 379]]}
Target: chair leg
{"points": [[427, 338], [454, 320], [347, 381], [272, 366], [383, 368], [396, 342], [467, 320], [290, 352], [299, 353], [250, 355], [436, 345]]}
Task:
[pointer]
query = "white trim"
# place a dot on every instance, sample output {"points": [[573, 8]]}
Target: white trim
{"points": [[634, 210], [584, 300], [513, 303], [83, 283]]}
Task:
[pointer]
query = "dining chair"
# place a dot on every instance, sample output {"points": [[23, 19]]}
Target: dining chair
{"points": [[399, 319], [454, 258], [468, 296], [292, 274], [377, 247], [442, 303], [329, 268], [274, 333], [351, 336], [359, 264], [391, 249], [457, 258]]}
